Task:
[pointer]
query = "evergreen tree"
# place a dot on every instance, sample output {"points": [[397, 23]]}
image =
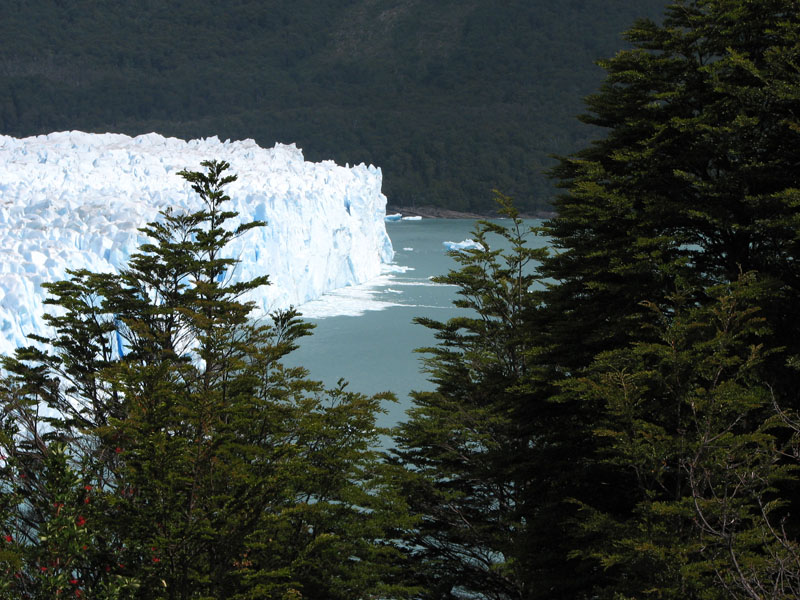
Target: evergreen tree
{"points": [[690, 419], [694, 180], [692, 184], [465, 443], [215, 471]]}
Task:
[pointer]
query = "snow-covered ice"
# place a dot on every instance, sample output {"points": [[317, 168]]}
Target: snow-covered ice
{"points": [[74, 200]]}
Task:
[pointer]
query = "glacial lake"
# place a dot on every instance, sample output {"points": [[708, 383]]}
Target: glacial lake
{"points": [[366, 335]]}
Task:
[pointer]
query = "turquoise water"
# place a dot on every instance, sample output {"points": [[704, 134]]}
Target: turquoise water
{"points": [[374, 349]]}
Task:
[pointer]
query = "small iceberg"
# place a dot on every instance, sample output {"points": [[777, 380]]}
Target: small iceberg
{"points": [[417, 218], [468, 244], [394, 217]]}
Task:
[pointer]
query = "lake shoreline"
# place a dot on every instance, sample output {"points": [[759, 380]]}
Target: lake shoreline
{"points": [[436, 212]]}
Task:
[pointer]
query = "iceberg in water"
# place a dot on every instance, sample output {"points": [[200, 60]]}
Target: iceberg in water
{"points": [[74, 200], [468, 244]]}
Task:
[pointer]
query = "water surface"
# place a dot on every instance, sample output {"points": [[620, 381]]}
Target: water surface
{"points": [[366, 335]]}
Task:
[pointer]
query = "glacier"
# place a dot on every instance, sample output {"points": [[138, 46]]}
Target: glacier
{"points": [[74, 200]]}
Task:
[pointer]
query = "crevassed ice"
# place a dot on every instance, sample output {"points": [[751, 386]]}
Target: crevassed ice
{"points": [[74, 200]]}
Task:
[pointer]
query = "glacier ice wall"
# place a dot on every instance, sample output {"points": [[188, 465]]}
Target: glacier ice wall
{"points": [[74, 200]]}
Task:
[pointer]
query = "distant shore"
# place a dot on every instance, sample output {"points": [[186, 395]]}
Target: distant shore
{"points": [[435, 212]]}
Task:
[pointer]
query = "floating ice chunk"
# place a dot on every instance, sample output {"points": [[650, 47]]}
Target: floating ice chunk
{"points": [[416, 218], [468, 244], [393, 217]]}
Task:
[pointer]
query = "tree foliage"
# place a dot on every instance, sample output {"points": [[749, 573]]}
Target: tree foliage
{"points": [[693, 181], [615, 417], [690, 419], [691, 187], [157, 447], [465, 443], [652, 433]]}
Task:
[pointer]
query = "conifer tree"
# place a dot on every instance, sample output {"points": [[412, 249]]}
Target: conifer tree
{"points": [[465, 444], [215, 470], [689, 417], [692, 183]]}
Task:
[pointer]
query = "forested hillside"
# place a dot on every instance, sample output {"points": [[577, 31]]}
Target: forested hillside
{"points": [[450, 98]]}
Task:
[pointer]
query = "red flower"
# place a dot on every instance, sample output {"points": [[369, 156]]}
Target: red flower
{"points": [[9, 538], [43, 569], [88, 488], [118, 450], [77, 593], [80, 521], [73, 581], [156, 559]]}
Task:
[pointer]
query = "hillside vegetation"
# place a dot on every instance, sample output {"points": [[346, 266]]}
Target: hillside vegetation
{"points": [[450, 98]]}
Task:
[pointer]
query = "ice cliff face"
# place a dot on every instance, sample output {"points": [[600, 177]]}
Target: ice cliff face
{"points": [[75, 200]]}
